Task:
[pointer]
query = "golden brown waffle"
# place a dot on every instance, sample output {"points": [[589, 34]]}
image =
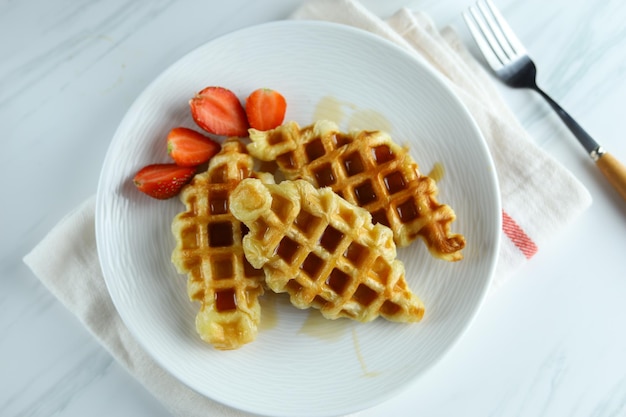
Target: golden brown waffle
{"points": [[323, 251], [209, 250], [368, 169]]}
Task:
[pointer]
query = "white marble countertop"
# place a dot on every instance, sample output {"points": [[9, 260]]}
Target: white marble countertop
{"points": [[552, 342]]}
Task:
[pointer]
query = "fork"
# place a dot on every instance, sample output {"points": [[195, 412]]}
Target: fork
{"points": [[508, 58]]}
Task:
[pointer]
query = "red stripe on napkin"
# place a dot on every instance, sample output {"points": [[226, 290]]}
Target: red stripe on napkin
{"points": [[517, 235]]}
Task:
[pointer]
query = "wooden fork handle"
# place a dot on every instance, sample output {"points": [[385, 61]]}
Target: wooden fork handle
{"points": [[614, 171]]}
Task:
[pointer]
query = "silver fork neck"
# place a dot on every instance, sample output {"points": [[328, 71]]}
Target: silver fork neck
{"points": [[597, 153]]}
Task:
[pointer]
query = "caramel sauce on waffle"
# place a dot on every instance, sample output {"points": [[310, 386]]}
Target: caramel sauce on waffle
{"points": [[368, 169], [323, 251], [208, 249], [319, 249]]}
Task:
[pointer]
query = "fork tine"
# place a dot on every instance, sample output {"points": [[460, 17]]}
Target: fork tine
{"points": [[484, 39], [495, 29], [500, 22]]}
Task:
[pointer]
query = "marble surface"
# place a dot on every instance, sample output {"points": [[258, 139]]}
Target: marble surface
{"points": [[551, 342]]}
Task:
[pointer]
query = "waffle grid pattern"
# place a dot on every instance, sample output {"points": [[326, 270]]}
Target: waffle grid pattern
{"points": [[369, 170], [324, 252], [209, 250]]}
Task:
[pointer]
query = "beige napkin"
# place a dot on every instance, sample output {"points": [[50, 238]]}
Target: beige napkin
{"points": [[66, 261]]}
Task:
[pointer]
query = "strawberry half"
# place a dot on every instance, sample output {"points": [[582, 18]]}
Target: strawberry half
{"points": [[265, 109], [218, 110], [189, 148], [163, 181]]}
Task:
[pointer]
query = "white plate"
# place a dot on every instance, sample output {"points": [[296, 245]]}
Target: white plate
{"points": [[301, 365]]}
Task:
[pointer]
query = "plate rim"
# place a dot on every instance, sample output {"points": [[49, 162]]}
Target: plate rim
{"points": [[445, 85]]}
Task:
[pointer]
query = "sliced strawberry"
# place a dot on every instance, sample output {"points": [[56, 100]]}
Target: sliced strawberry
{"points": [[189, 148], [163, 181], [265, 109], [218, 110]]}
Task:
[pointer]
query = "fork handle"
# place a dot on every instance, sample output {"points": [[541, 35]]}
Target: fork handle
{"points": [[612, 169], [583, 137]]}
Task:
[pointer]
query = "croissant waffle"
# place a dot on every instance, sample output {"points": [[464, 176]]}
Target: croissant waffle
{"points": [[367, 169], [209, 250], [323, 251]]}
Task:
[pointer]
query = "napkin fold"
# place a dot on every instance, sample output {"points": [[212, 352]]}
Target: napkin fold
{"points": [[66, 260]]}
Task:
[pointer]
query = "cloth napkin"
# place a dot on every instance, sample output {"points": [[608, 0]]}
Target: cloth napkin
{"points": [[66, 261]]}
